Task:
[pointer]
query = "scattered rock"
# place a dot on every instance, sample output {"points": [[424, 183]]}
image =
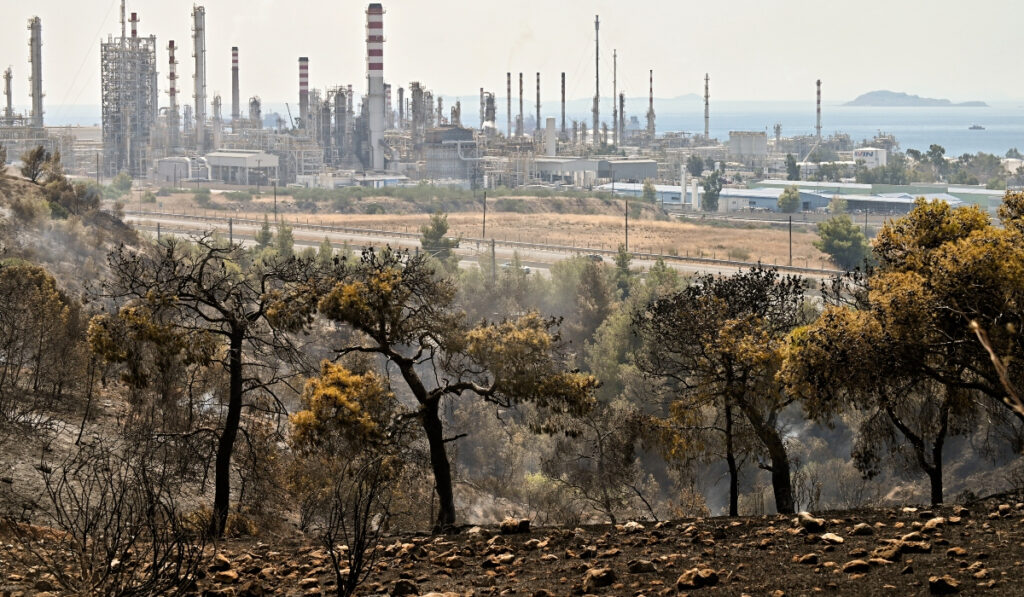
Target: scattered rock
{"points": [[511, 526], [640, 566], [863, 529], [809, 522], [220, 562], [934, 524], [632, 527], [810, 558], [226, 576], [696, 578], [832, 539], [956, 552], [404, 586], [856, 567], [943, 585], [598, 577]]}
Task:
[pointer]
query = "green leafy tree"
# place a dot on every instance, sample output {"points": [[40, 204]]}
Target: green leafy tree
{"points": [[650, 194], [837, 205], [230, 314], [325, 251], [792, 168], [436, 244], [122, 184], [718, 344], [695, 165], [712, 189], [408, 316], [843, 241], [284, 241], [789, 199], [1014, 153], [33, 162], [3, 159], [264, 236]]}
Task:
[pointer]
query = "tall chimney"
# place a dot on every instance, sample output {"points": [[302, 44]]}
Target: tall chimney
{"points": [[172, 110], [483, 109], [35, 43], [508, 96], [563, 104], [303, 92], [401, 108], [538, 126], [817, 127], [520, 124], [236, 106], [134, 20], [597, 76], [622, 116], [650, 109], [199, 78], [375, 81], [9, 110], [615, 94], [707, 107]]}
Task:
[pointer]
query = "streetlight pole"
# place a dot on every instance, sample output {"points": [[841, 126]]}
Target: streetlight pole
{"points": [[275, 200]]}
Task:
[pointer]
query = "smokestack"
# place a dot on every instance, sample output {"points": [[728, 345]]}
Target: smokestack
{"points": [[199, 78], [508, 96], [172, 110], [375, 81], [538, 102], [520, 124], [818, 126], [303, 91], [9, 110], [597, 76], [615, 94], [401, 108], [650, 109], [551, 138], [35, 43], [134, 20], [563, 104], [236, 107], [483, 109], [707, 107], [622, 116]]}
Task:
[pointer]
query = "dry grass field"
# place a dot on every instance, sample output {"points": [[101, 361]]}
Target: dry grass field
{"points": [[605, 230]]}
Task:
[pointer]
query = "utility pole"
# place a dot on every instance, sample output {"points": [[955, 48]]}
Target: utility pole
{"points": [[231, 232], [494, 264], [275, 200], [790, 240], [483, 234]]}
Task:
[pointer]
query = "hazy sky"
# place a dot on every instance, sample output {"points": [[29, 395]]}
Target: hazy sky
{"points": [[753, 49]]}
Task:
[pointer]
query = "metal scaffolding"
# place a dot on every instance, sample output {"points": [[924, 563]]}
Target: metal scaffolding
{"points": [[129, 101]]}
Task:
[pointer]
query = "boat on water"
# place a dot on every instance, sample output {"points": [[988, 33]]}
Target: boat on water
{"points": [[975, 127]]}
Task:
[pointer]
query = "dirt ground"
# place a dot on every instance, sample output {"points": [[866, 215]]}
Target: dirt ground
{"points": [[910, 551], [602, 230]]}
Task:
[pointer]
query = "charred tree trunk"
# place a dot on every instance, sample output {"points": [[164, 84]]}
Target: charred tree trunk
{"points": [[730, 459], [226, 443], [782, 485], [440, 465]]}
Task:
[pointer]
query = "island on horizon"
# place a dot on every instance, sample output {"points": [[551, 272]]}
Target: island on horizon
{"points": [[890, 99]]}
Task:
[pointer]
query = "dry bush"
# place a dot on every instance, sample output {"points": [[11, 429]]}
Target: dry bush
{"points": [[114, 525]]}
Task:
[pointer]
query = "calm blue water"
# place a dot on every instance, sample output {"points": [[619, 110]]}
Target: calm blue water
{"points": [[914, 128]]}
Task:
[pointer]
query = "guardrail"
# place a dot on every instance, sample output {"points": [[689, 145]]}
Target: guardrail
{"points": [[298, 225]]}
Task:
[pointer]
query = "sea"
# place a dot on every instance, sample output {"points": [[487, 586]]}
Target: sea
{"points": [[913, 128]]}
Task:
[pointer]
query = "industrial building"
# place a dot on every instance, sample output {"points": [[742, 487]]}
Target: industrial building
{"points": [[129, 100]]}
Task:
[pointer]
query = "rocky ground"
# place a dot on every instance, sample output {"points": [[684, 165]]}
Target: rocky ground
{"points": [[909, 551]]}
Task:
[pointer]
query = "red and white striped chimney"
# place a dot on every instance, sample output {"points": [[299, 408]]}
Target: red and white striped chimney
{"points": [[135, 25], [375, 82], [303, 91], [236, 107]]}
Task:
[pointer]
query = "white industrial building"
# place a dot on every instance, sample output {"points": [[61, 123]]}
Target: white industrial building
{"points": [[245, 167]]}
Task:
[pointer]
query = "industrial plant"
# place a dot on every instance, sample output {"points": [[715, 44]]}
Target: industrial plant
{"points": [[378, 134]]}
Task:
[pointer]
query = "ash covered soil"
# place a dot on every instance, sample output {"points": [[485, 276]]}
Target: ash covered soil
{"points": [[909, 551]]}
